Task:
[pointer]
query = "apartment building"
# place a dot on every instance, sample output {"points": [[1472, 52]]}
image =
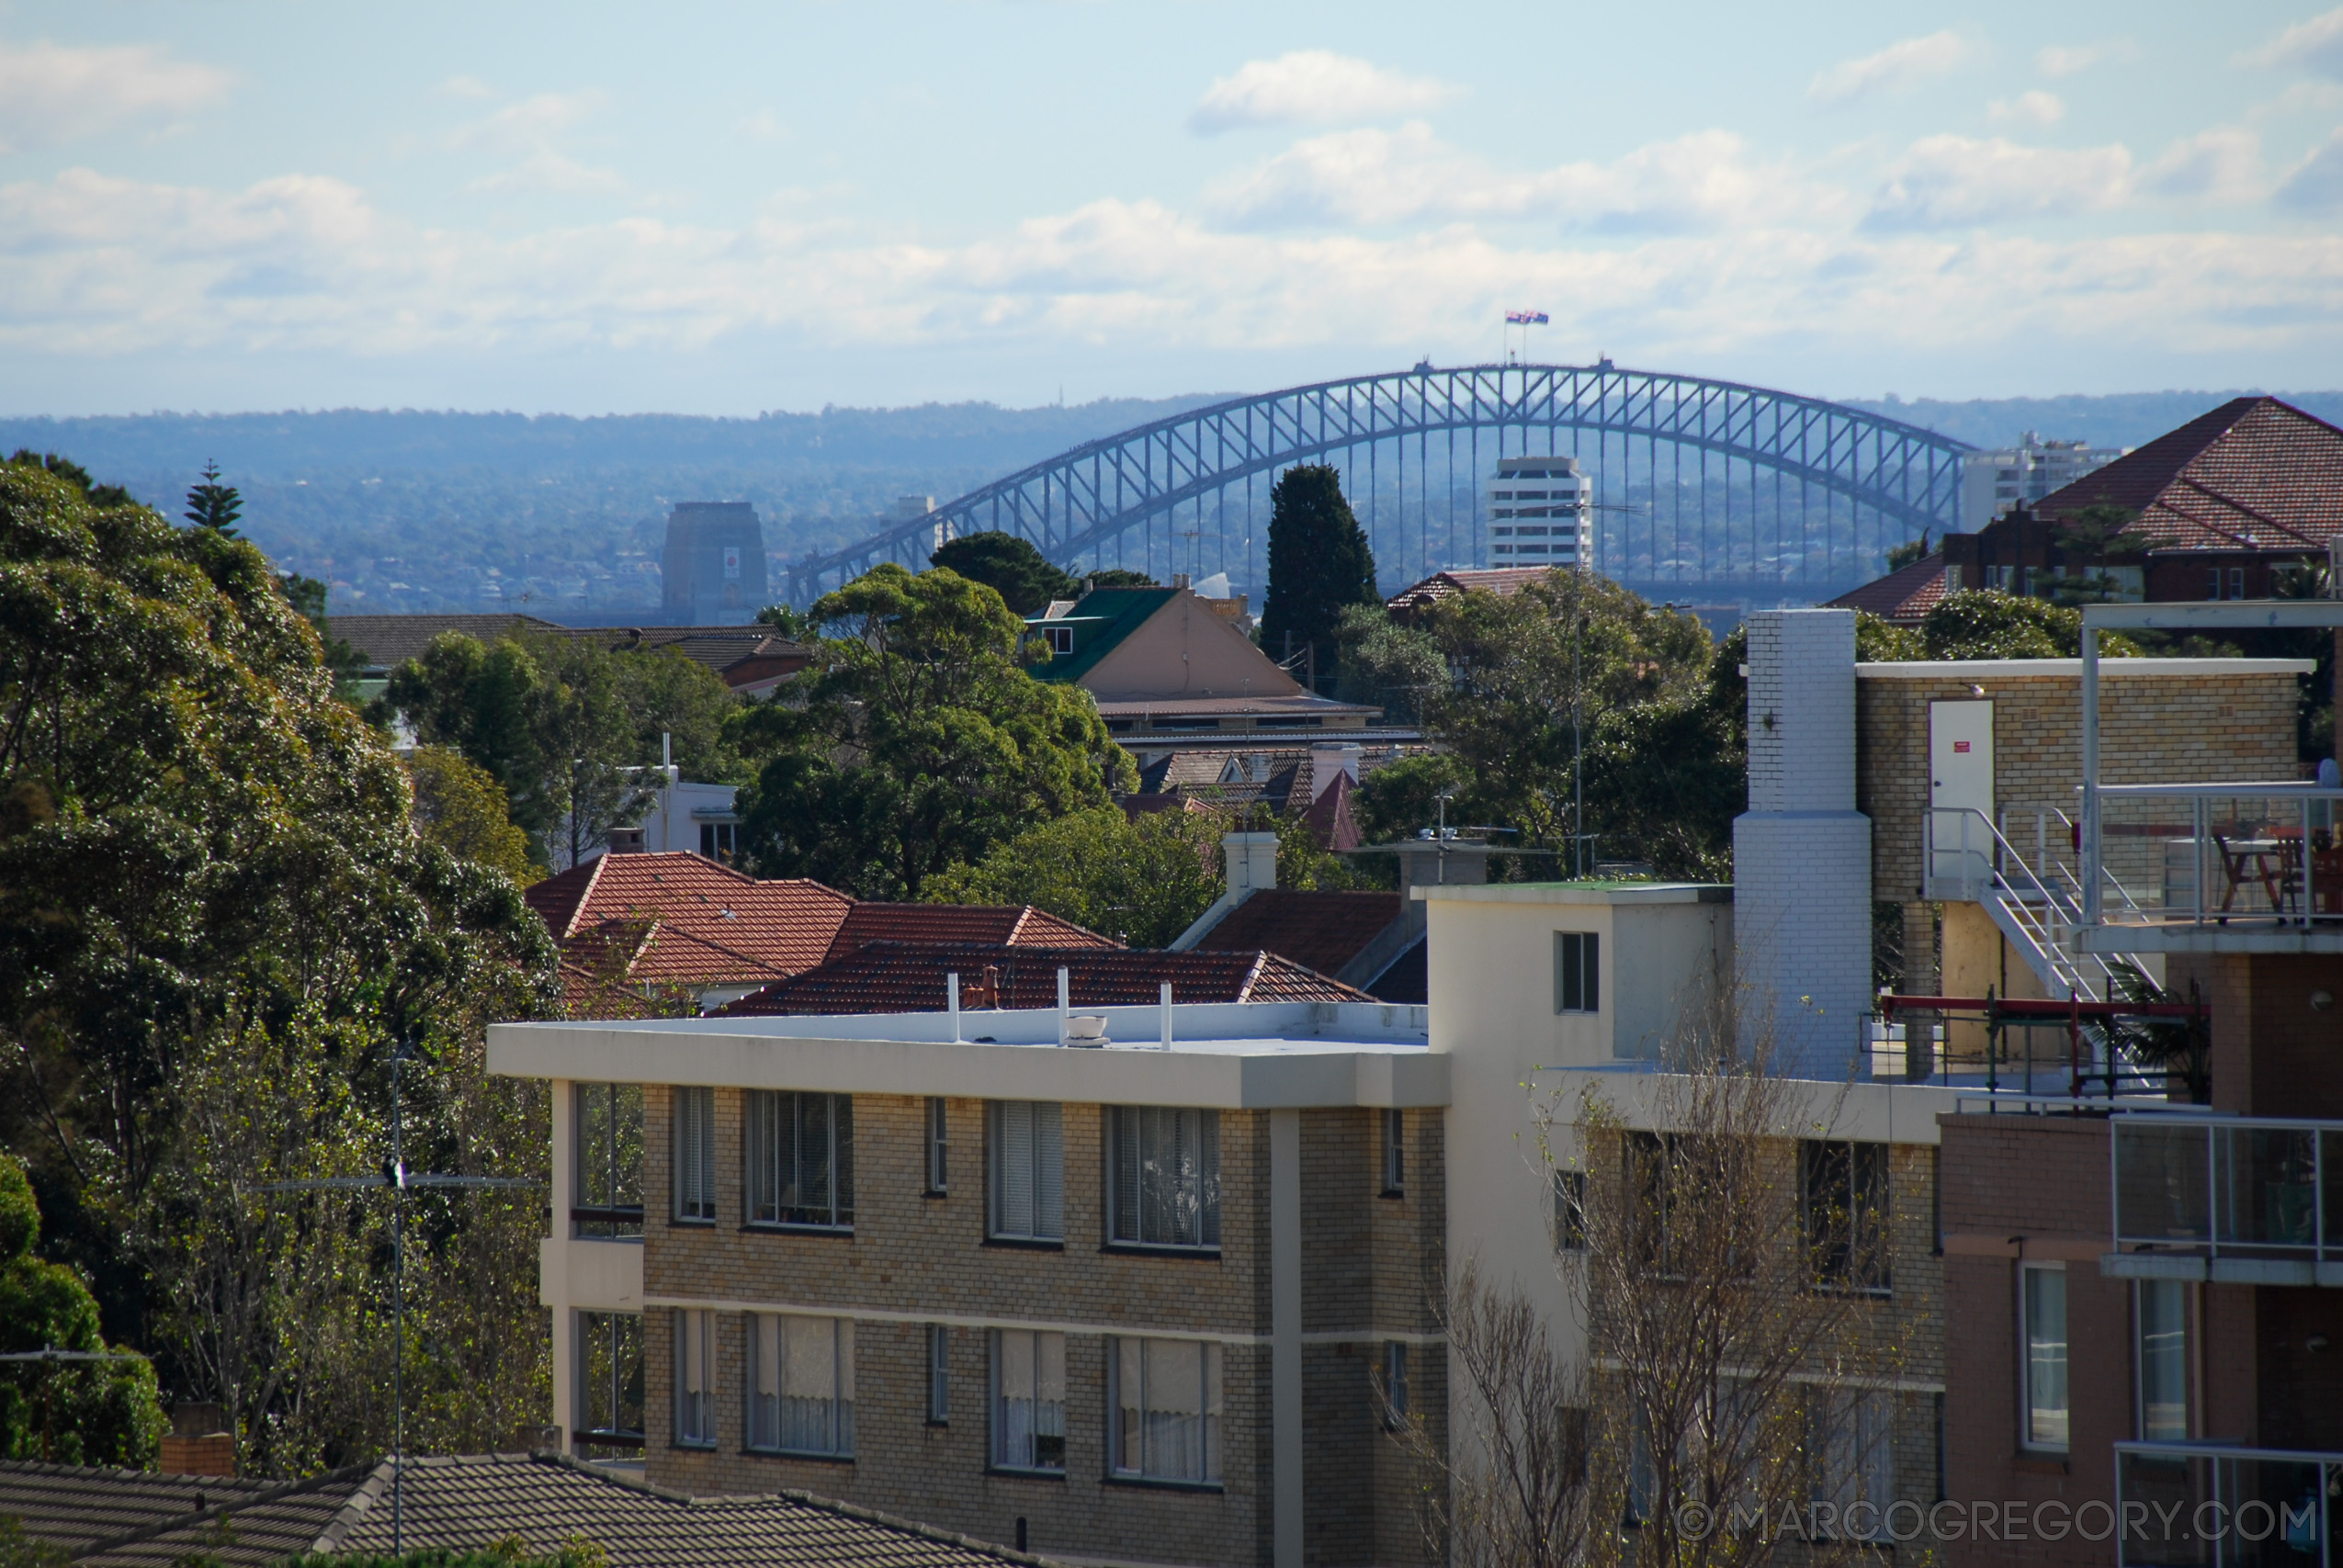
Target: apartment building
{"points": [[1116, 1285]]}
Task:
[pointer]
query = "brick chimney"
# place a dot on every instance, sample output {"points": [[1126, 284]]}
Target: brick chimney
{"points": [[199, 1442]]}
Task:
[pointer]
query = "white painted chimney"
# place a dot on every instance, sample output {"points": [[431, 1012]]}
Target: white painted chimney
{"points": [[1252, 862]]}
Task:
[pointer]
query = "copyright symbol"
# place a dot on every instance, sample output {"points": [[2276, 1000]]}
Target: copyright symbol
{"points": [[1694, 1520]]}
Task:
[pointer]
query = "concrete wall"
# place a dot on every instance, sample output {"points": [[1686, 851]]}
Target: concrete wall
{"points": [[712, 568], [1187, 649]]}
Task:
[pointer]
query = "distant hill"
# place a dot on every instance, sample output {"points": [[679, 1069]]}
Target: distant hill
{"points": [[407, 509]]}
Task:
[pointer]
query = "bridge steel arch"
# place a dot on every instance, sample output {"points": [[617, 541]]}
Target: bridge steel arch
{"points": [[1071, 505]]}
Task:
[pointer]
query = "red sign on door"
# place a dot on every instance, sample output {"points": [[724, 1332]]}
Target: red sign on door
{"points": [[1960, 745]]}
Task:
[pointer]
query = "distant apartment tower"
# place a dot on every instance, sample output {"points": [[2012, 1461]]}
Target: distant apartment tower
{"points": [[1992, 483], [713, 566], [1539, 513]]}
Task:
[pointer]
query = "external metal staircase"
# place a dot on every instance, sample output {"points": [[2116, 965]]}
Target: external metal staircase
{"points": [[2034, 900]]}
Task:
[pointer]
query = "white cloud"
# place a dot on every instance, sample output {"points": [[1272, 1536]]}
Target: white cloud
{"points": [[2068, 58], [2037, 108], [1951, 181], [2316, 46], [529, 125], [1892, 69], [51, 94], [1312, 87], [549, 171], [470, 87], [2220, 164], [2315, 185], [1694, 183]]}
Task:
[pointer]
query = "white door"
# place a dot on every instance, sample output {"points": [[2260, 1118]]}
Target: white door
{"points": [[1960, 791]]}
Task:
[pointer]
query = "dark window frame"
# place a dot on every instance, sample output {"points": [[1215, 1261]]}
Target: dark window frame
{"points": [[1395, 1152], [767, 1116], [692, 1147], [1846, 1214], [1577, 973], [603, 1176], [1140, 1215]]}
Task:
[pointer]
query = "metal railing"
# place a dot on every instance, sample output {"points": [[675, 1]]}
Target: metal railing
{"points": [[2214, 1506], [2228, 1186], [2253, 855], [1966, 856]]}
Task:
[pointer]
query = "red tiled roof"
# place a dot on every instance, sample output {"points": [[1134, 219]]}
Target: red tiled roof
{"points": [[895, 976], [2255, 473], [1317, 930], [1904, 595], [1504, 581], [1013, 925]]}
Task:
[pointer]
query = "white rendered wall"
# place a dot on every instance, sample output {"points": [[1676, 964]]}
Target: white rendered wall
{"points": [[1801, 852]]}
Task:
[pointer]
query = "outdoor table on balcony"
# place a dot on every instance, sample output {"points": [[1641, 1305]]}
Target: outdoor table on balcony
{"points": [[2255, 860], [2326, 869]]}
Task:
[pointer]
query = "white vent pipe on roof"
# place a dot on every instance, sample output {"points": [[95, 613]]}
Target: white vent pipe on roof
{"points": [[1165, 1007], [952, 1000], [1065, 1006]]}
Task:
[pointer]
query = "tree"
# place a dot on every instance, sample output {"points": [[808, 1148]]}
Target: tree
{"points": [[104, 1412], [1142, 882], [1988, 623], [917, 743], [1118, 577], [1905, 554], [216, 920], [1010, 566], [214, 505], [461, 808], [1318, 565], [73, 473]]}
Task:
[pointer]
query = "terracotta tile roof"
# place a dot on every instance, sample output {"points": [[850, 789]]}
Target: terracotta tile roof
{"points": [[1904, 595], [1504, 581], [708, 915], [1011, 925], [739, 656], [2255, 473], [387, 640], [1317, 930], [889, 976], [463, 1503]]}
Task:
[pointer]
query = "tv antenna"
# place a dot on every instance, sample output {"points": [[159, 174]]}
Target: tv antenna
{"points": [[397, 1179]]}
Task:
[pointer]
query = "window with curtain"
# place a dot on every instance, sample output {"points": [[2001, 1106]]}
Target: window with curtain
{"points": [[2043, 1297], [939, 1144], [801, 1384], [1854, 1448], [1028, 1400], [939, 1375], [1164, 1166], [695, 1150], [1166, 1399], [608, 1122], [1028, 1154], [609, 1407], [801, 1160], [2160, 1308], [695, 1373]]}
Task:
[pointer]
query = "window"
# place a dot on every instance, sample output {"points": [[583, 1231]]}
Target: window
{"points": [[1028, 1400], [1395, 1382], [1844, 1192], [1166, 1399], [1569, 1210], [1854, 1461], [801, 1160], [608, 1201], [718, 841], [1028, 1171], [695, 1374], [2042, 1292], [1395, 1152], [1576, 972], [695, 1154], [939, 1375], [609, 1402], [1062, 640], [2160, 1308], [2237, 582], [939, 1147], [801, 1384], [1164, 1168]]}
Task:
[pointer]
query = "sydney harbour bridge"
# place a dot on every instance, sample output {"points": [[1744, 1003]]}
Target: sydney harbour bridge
{"points": [[1705, 491]]}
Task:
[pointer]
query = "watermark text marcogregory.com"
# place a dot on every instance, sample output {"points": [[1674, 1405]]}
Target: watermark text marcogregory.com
{"points": [[1983, 1519]]}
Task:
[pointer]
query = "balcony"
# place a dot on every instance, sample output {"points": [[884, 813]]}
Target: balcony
{"points": [[2207, 1506], [2248, 1201], [2216, 867]]}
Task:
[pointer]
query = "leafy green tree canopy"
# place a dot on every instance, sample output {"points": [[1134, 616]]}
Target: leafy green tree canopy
{"points": [[1318, 565], [917, 743], [1011, 567], [66, 1412], [73, 474], [1988, 624], [214, 505], [1142, 882]]}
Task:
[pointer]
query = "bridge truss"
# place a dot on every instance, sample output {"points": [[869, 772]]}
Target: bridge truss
{"points": [[1707, 490]]}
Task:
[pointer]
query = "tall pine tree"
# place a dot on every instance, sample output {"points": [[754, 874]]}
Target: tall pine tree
{"points": [[214, 505], [1318, 566]]}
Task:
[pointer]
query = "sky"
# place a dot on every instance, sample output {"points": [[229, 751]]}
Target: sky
{"points": [[727, 208]]}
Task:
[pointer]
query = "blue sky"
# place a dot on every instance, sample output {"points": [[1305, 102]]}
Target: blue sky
{"points": [[725, 208]]}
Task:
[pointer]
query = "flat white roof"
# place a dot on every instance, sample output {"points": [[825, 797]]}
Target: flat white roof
{"points": [[2072, 669], [1229, 1056], [1589, 892]]}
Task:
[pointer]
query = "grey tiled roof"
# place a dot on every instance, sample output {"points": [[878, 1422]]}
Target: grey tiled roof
{"points": [[471, 1501]]}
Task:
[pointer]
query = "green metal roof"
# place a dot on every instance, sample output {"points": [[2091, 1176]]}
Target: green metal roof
{"points": [[1100, 621]]}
